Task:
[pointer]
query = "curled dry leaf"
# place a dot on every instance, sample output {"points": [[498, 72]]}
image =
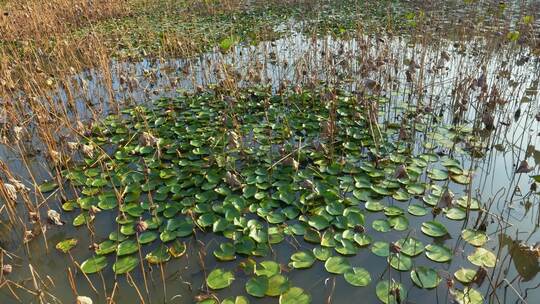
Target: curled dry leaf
{"points": [[54, 217], [446, 200], [401, 172], [88, 150], [83, 300], [232, 180], [7, 269], [11, 192], [524, 167], [147, 139]]}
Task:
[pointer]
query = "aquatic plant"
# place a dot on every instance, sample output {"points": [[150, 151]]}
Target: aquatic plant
{"points": [[258, 169]]}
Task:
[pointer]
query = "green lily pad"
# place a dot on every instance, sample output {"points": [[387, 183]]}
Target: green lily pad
{"points": [[357, 276], [257, 286], [400, 262], [47, 186], [386, 292], [219, 279], [399, 223], [424, 277], [381, 249], [410, 246], [267, 268], [225, 252], [434, 229], [94, 264], [125, 264], [322, 253], [236, 300], [302, 259], [474, 237], [374, 206], [147, 237], [295, 295], [465, 275], [159, 255], [381, 225], [437, 174], [337, 265], [483, 257], [417, 210], [456, 214], [66, 245], [437, 253], [468, 296], [277, 285], [127, 247]]}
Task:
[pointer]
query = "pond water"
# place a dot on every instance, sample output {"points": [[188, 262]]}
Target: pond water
{"points": [[444, 75]]}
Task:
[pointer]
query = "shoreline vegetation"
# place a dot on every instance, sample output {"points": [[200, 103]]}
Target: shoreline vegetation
{"points": [[423, 93]]}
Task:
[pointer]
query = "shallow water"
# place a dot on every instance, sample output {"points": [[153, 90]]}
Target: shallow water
{"points": [[298, 59]]}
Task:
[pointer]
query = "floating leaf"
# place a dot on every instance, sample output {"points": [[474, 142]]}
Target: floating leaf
{"points": [[381, 249], [410, 246], [417, 210], [438, 253], [386, 292], [295, 295], [465, 275], [267, 268], [225, 252], [94, 264], [257, 286], [473, 237], [125, 264], [236, 300], [400, 262], [302, 259], [468, 296], [277, 284], [47, 186], [322, 253], [357, 276], [381, 225], [219, 279], [66, 245], [337, 265], [425, 277], [434, 229], [159, 255], [483, 257]]}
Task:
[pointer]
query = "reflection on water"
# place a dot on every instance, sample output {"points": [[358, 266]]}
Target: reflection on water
{"points": [[457, 81]]}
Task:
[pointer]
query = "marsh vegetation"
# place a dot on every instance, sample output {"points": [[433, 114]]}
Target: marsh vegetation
{"points": [[233, 151]]}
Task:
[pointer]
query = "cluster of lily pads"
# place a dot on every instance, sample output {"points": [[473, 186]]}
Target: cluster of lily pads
{"points": [[259, 168]]}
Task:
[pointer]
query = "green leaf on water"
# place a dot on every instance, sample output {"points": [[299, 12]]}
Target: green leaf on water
{"points": [[66, 245], [438, 253], [125, 264], [295, 295], [219, 279], [337, 265], [277, 284], [474, 237], [302, 259], [465, 275], [386, 292], [434, 229], [357, 276], [483, 257], [159, 255], [381, 249], [257, 286], [94, 264], [424, 277]]}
